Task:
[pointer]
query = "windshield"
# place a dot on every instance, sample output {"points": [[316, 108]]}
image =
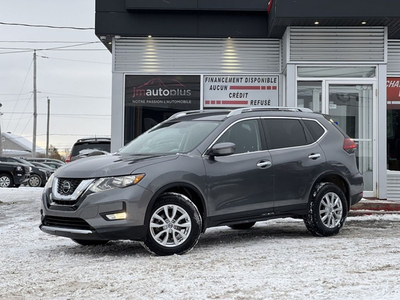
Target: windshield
{"points": [[171, 138], [25, 162]]}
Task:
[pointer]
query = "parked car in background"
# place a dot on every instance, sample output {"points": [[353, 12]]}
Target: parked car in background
{"points": [[54, 163], [43, 166], [89, 147], [201, 169], [38, 176], [13, 174]]}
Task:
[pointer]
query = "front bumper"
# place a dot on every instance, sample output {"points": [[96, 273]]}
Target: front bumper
{"points": [[21, 178], [136, 233], [86, 218]]}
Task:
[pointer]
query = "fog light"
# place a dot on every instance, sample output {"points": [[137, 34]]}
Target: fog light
{"points": [[117, 216]]}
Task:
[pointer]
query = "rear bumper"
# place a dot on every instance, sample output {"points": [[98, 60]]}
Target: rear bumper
{"points": [[356, 188]]}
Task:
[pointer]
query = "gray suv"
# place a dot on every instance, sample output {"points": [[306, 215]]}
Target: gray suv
{"points": [[200, 169]]}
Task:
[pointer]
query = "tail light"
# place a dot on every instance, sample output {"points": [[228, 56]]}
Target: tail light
{"points": [[68, 159], [349, 145]]}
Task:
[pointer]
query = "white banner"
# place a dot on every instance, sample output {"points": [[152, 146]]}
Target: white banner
{"points": [[240, 91]]}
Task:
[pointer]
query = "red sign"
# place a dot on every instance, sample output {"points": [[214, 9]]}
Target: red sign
{"points": [[239, 91], [393, 92]]}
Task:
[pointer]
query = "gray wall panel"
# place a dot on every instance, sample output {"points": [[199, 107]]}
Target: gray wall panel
{"points": [[197, 56], [337, 44], [393, 65]]}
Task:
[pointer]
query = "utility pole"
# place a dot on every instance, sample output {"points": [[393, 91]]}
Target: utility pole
{"points": [[48, 127], [34, 106]]}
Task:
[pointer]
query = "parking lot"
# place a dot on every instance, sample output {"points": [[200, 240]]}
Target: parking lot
{"points": [[277, 259]]}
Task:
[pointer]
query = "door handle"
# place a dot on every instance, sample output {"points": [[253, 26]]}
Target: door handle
{"points": [[314, 156], [264, 164]]}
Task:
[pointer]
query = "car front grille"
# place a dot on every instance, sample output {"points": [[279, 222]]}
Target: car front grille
{"points": [[72, 223], [64, 202], [66, 187]]}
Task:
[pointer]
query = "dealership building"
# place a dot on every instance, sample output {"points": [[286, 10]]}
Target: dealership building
{"points": [[340, 58]]}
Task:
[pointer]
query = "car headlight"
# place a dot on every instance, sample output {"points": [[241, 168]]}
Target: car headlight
{"points": [[19, 168], [109, 183], [49, 182]]}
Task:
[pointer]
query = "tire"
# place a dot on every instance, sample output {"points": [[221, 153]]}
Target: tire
{"points": [[242, 226], [327, 210], [35, 180], [6, 181], [90, 242], [174, 226]]}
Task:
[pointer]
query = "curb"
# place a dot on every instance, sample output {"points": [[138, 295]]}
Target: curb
{"points": [[374, 206]]}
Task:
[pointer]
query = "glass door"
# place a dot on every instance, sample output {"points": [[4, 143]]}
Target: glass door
{"points": [[350, 106], [309, 95]]}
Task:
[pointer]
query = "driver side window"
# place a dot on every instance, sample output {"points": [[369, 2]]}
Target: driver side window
{"points": [[245, 135]]}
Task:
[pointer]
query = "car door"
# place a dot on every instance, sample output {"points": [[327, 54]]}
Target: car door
{"points": [[297, 160], [240, 184]]}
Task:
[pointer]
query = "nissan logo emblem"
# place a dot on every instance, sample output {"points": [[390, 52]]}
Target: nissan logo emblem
{"points": [[65, 187]]}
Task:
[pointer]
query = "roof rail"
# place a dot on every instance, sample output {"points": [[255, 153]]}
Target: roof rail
{"points": [[242, 110], [190, 112], [93, 139]]}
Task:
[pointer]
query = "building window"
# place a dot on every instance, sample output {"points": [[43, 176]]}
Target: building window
{"points": [[337, 72]]}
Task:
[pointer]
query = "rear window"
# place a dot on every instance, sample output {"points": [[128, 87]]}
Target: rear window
{"points": [[285, 133], [315, 129], [102, 146]]}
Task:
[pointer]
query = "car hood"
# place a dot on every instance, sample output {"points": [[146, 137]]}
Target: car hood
{"points": [[109, 165]]}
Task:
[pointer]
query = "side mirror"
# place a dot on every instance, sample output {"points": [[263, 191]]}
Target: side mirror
{"points": [[222, 149]]}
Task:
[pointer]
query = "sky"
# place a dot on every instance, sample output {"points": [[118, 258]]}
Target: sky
{"points": [[76, 79]]}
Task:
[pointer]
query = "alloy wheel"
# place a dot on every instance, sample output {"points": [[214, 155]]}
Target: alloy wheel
{"points": [[170, 225], [331, 210], [5, 181], [35, 181]]}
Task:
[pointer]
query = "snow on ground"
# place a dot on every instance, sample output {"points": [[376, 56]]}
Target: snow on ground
{"points": [[277, 259]]}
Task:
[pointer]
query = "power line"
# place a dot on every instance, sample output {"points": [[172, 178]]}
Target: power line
{"points": [[84, 61], [12, 52], [45, 42], [55, 114], [73, 134], [20, 92], [78, 117], [72, 95], [26, 124], [7, 48], [16, 126], [20, 99], [59, 48], [15, 94], [46, 26], [70, 46], [75, 49], [21, 118], [60, 97]]}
